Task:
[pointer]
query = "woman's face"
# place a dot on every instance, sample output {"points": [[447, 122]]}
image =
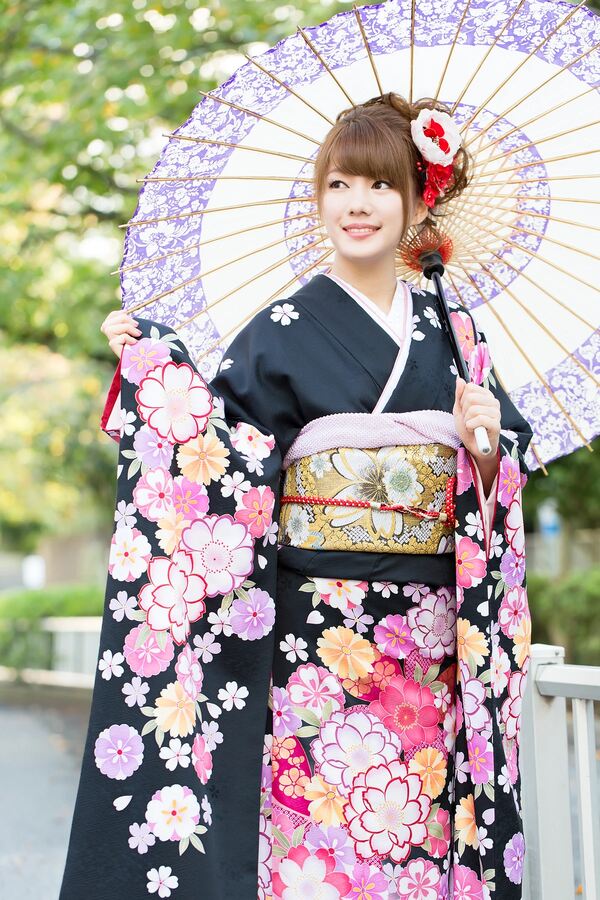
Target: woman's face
{"points": [[351, 201]]}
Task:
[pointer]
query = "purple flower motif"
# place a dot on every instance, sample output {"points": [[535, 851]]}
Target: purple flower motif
{"points": [[368, 883], [512, 568], [285, 721], [509, 480], [252, 619], [393, 637], [140, 358], [514, 854], [481, 759], [119, 751], [153, 450], [335, 840], [266, 787]]}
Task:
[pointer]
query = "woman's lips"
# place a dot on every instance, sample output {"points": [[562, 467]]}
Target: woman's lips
{"points": [[359, 234]]}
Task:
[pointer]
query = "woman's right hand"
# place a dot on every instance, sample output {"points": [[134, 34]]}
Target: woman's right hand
{"points": [[120, 328]]}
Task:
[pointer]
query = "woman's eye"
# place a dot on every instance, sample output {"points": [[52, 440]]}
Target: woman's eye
{"points": [[381, 181], [335, 181]]}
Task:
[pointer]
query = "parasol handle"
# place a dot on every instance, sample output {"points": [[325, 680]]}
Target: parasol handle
{"points": [[433, 268]]}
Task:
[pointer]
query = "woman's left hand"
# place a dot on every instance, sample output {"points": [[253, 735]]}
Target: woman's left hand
{"points": [[475, 405]]}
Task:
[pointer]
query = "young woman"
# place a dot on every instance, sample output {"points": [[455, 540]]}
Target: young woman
{"points": [[322, 615]]}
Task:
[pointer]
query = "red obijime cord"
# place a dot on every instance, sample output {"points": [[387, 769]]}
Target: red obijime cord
{"points": [[447, 516]]}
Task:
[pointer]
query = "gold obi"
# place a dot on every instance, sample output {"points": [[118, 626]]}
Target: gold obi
{"points": [[419, 476]]}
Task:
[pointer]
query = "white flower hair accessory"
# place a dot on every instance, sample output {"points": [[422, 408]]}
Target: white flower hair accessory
{"points": [[437, 138]]}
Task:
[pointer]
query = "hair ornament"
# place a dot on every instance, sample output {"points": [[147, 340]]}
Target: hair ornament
{"points": [[437, 138]]}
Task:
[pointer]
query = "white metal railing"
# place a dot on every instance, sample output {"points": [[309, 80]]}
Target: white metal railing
{"points": [[546, 797]]}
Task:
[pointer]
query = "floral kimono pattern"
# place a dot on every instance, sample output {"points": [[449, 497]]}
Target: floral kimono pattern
{"points": [[269, 721]]}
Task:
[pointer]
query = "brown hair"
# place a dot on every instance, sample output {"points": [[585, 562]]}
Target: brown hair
{"points": [[374, 139]]}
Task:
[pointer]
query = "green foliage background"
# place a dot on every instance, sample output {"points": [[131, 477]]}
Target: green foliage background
{"points": [[87, 91]]}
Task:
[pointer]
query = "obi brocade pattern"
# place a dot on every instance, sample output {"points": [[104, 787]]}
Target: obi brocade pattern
{"points": [[412, 475]]}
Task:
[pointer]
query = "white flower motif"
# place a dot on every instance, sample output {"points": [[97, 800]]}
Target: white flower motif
{"points": [[176, 754], [127, 421], [233, 695], [474, 525], [254, 465], [211, 734], [110, 665], [356, 618], [206, 647], [416, 334], [442, 148], [270, 536], [432, 315], [122, 605], [161, 881], [125, 514], [225, 364], [496, 544], [135, 691], [297, 525], [235, 484], [319, 464], [219, 622], [141, 837], [206, 810], [284, 313], [385, 588], [294, 648], [415, 591]]}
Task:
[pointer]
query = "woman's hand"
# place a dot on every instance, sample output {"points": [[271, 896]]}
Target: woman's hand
{"points": [[475, 405], [120, 328]]}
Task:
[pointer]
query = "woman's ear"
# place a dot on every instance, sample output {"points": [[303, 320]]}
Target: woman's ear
{"points": [[420, 211]]}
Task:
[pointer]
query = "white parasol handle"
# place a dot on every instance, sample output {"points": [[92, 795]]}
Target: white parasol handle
{"points": [[483, 442]]}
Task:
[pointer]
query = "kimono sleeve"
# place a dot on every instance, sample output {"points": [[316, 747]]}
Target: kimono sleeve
{"points": [[174, 774], [110, 421]]}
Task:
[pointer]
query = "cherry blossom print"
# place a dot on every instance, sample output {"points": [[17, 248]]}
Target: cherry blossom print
{"points": [[387, 812], [285, 720], [510, 710], [393, 636], [122, 606], [470, 563], [175, 401], [471, 644], [119, 751], [345, 653], [189, 672], [341, 593], [284, 313], [173, 813], [141, 837], [175, 711], [222, 551], [233, 695], [419, 880], [467, 885], [140, 358], [202, 759], [513, 527], [464, 474], [130, 554], [430, 765], [294, 647], [509, 480], [189, 498], [265, 855], [110, 664], [351, 742], [135, 692], [432, 624], [513, 609], [255, 510], [512, 567], [253, 618], [408, 709], [153, 494], [203, 459], [514, 857], [174, 596], [151, 449], [481, 759], [463, 326], [333, 839], [175, 754], [161, 881], [480, 363], [477, 715], [147, 657], [297, 874], [439, 844], [368, 883], [313, 687], [251, 442]]}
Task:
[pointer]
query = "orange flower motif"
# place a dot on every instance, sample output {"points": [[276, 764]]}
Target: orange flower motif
{"points": [[293, 782], [345, 653], [430, 765], [522, 641], [203, 459], [175, 711], [470, 642], [326, 804], [465, 823]]}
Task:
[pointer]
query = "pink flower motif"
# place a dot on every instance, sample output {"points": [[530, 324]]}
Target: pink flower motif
{"points": [[130, 552], [419, 880], [467, 885], [119, 751], [174, 597], [470, 563], [513, 609], [173, 813], [189, 498], [439, 845], [511, 708], [313, 686], [251, 442], [341, 593], [476, 713], [480, 364], [463, 327], [393, 637], [481, 759], [513, 527], [464, 475], [368, 883], [252, 619], [148, 659], [433, 624], [201, 759], [151, 449], [175, 401], [140, 358], [298, 873], [509, 480], [255, 509], [393, 789], [153, 494], [223, 551], [189, 672], [409, 709]]}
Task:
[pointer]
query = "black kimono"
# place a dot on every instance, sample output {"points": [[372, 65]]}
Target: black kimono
{"points": [[329, 707]]}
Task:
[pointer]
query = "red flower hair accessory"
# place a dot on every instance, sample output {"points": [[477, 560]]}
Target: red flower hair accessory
{"points": [[438, 140]]}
